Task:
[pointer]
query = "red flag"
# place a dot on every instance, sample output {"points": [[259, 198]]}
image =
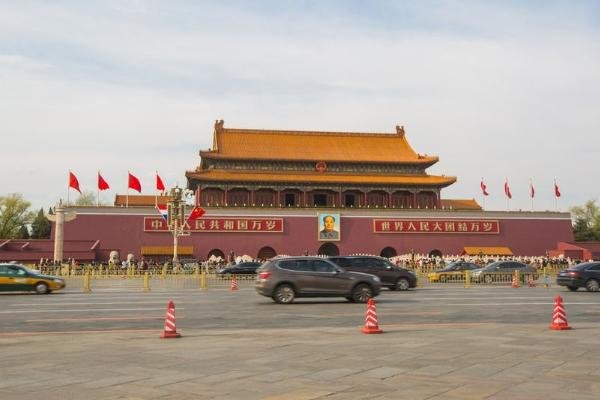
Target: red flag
{"points": [[73, 182], [134, 183], [196, 213], [160, 186], [556, 189], [102, 184], [483, 188], [531, 190], [507, 190]]}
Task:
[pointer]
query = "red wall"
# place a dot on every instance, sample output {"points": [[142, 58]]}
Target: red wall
{"points": [[525, 233]]}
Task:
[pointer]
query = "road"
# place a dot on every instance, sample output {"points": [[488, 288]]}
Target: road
{"points": [[439, 342]]}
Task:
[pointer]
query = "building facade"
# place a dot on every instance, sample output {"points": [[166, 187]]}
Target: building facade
{"points": [[270, 193]]}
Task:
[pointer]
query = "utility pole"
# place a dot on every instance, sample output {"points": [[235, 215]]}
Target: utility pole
{"points": [[176, 213]]}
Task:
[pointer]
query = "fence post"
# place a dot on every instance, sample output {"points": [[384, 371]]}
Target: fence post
{"points": [[203, 280], [467, 279], [146, 282], [86, 283]]}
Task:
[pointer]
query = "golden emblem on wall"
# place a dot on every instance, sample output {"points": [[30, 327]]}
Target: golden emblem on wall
{"points": [[321, 166]]}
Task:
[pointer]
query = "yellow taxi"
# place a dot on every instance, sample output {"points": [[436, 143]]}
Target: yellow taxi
{"points": [[455, 271], [19, 278]]}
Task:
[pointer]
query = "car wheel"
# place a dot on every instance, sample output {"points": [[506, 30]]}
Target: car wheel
{"points": [[403, 284], [362, 293], [284, 294], [41, 288], [572, 288], [592, 285], [442, 278], [488, 279]]}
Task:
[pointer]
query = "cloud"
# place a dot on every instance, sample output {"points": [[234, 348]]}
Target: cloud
{"points": [[495, 89]]}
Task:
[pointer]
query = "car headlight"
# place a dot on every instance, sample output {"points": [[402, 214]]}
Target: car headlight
{"points": [[376, 279], [56, 280]]}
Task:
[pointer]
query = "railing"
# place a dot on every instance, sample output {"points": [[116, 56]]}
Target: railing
{"points": [[197, 278]]}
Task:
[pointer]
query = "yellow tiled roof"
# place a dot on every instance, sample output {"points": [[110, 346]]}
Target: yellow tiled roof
{"points": [[140, 200], [460, 204], [315, 177], [488, 251], [314, 146]]}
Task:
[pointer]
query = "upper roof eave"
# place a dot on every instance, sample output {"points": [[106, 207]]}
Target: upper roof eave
{"points": [[423, 160]]}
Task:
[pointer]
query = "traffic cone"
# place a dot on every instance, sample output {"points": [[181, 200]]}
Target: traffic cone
{"points": [[234, 285], [559, 317], [170, 331], [371, 325], [515, 281]]}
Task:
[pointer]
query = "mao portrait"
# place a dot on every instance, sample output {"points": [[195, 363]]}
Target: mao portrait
{"points": [[329, 226]]}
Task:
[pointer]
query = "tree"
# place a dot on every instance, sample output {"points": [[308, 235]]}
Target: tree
{"points": [[14, 214], [23, 232], [586, 225], [87, 198], [41, 227]]}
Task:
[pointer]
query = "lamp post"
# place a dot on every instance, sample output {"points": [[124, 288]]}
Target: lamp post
{"points": [[176, 212]]}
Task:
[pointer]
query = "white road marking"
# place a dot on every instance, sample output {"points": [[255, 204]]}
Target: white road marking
{"points": [[83, 310]]}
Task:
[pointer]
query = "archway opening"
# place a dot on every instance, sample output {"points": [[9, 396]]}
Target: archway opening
{"points": [[388, 252], [266, 253], [215, 253], [435, 253], [328, 249]]}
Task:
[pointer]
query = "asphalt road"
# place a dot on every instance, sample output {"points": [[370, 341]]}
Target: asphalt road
{"points": [[133, 309], [439, 343]]}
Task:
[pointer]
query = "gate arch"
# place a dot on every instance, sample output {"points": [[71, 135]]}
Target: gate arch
{"points": [[216, 253], [265, 253], [388, 252], [435, 253], [328, 249]]}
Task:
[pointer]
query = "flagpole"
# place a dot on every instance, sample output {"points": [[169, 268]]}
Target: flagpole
{"points": [[127, 195], [98, 191], [156, 193], [68, 190]]}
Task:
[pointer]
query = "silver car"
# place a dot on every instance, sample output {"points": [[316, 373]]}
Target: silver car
{"points": [[284, 279]]}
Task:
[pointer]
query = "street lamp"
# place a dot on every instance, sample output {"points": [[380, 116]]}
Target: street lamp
{"points": [[176, 213]]}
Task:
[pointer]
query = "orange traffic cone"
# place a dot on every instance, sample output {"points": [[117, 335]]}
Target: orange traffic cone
{"points": [[170, 331], [234, 285], [515, 281], [371, 325], [559, 317]]}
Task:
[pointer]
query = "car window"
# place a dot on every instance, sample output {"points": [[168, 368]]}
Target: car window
{"points": [[296, 265], [356, 263], [341, 261], [594, 268], [14, 271], [322, 266]]}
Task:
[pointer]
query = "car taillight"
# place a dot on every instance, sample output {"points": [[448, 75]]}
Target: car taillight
{"points": [[264, 275], [573, 274]]}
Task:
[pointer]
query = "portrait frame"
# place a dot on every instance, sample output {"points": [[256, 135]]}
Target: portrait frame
{"points": [[326, 234]]}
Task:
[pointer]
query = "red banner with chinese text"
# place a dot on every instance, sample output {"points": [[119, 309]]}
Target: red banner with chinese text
{"points": [[436, 226], [231, 224]]}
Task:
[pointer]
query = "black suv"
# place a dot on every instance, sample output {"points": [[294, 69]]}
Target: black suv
{"points": [[283, 279], [581, 275], [392, 276]]}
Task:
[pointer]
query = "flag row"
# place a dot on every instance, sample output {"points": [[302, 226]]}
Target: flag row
{"points": [[508, 193], [132, 182]]}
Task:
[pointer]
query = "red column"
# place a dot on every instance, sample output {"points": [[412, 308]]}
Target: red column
{"points": [[414, 200]]}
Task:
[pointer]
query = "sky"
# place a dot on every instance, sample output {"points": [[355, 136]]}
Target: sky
{"points": [[499, 90]]}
